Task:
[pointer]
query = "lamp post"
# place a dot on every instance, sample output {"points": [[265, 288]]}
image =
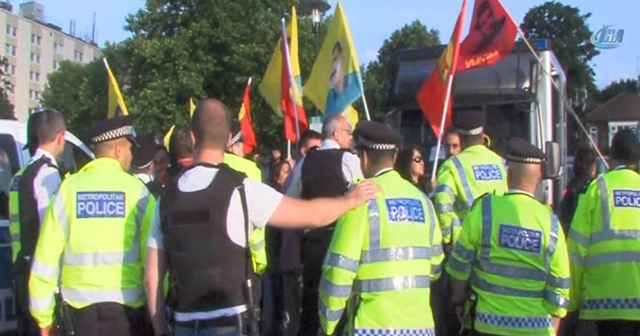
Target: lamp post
{"points": [[314, 9]]}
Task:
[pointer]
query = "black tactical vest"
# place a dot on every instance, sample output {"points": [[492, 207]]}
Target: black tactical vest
{"points": [[29, 217], [322, 174], [207, 270]]}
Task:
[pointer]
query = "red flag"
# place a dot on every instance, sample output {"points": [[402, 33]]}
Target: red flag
{"points": [[291, 100], [433, 94], [491, 37], [246, 125]]}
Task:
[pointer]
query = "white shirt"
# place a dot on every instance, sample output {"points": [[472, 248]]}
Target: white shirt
{"points": [[351, 169], [46, 182], [145, 178], [262, 201]]}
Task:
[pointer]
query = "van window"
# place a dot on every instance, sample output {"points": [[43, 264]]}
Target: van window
{"points": [[9, 166], [73, 158]]}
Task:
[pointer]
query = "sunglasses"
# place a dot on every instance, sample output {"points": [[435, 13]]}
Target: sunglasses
{"points": [[417, 159]]}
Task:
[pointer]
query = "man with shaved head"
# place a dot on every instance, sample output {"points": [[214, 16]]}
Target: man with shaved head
{"points": [[201, 229]]}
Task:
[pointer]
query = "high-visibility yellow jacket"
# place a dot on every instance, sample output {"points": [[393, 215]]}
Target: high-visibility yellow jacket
{"points": [[93, 241], [381, 261], [257, 237], [514, 255], [604, 247], [462, 179], [14, 214]]}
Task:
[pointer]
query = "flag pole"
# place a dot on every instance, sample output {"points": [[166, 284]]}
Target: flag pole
{"points": [[289, 149], [364, 99], [447, 99], [287, 58], [562, 95]]}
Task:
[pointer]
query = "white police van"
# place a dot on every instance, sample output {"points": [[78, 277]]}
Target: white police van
{"points": [[13, 136]]}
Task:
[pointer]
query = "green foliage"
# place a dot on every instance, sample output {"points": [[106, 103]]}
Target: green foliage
{"points": [[205, 48], [617, 87], [377, 73], [569, 33], [6, 108]]}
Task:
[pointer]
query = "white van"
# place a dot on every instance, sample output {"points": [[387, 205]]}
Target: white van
{"points": [[13, 136]]}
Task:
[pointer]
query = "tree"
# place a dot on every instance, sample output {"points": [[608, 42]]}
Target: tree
{"points": [[617, 87], [376, 75], [80, 91], [197, 48], [569, 34], [6, 108]]}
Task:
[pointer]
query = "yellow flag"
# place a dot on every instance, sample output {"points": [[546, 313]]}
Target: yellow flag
{"points": [[167, 137], [271, 83], [352, 116], [192, 107], [116, 101], [335, 81]]}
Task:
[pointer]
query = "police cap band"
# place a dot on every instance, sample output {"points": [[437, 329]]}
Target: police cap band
{"points": [[469, 122], [374, 135], [521, 150], [111, 129]]}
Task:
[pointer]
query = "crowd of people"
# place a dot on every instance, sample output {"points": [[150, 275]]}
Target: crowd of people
{"points": [[352, 237]]}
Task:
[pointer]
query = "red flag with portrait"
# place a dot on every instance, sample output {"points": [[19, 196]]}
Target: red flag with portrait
{"points": [[491, 37], [432, 95]]}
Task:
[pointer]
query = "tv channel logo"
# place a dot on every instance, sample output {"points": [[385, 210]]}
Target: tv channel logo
{"points": [[607, 37]]}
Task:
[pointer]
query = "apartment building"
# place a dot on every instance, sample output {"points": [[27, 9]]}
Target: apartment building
{"points": [[34, 49]]}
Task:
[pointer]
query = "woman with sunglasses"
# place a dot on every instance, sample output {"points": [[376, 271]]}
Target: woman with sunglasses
{"points": [[410, 165]]}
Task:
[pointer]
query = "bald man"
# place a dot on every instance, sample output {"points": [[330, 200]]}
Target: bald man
{"points": [[200, 234]]}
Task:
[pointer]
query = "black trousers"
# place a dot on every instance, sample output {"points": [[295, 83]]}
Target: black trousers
{"points": [[444, 314], [618, 328], [20, 276], [314, 247], [111, 319]]}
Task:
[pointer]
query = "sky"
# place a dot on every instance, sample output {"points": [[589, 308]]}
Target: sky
{"points": [[373, 21]]}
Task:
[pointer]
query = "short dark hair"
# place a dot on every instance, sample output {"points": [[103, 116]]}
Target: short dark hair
{"points": [[377, 157], [337, 47], [584, 159], [451, 130], [307, 136], [211, 124], [181, 144], [625, 147], [49, 125], [468, 140]]}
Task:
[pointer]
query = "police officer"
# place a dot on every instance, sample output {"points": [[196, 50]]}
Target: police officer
{"points": [[383, 255], [509, 267], [91, 243], [142, 163], [200, 233], [461, 179], [31, 190], [324, 172], [604, 245]]}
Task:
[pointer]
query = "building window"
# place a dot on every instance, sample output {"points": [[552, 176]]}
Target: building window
{"points": [[31, 75], [56, 65], [9, 69], [77, 56], [13, 69], [31, 94], [37, 77], [35, 58], [36, 39], [10, 49], [11, 30], [58, 48]]}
